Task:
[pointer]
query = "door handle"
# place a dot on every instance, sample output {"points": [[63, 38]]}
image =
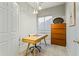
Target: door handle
{"points": [[76, 41]]}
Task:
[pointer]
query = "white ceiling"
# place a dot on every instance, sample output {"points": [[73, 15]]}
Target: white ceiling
{"points": [[45, 5]]}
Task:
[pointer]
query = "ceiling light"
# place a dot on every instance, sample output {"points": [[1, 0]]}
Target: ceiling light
{"points": [[35, 11], [37, 8], [40, 8]]}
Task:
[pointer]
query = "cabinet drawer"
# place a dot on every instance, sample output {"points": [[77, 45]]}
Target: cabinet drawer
{"points": [[58, 25], [61, 31], [59, 36], [58, 42]]}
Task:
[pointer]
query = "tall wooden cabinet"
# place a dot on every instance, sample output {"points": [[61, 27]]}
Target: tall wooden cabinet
{"points": [[58, 34]]}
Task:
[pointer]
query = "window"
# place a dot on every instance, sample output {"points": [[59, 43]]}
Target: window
{"points": [[48, 22], [41, 23], [44, 23]]}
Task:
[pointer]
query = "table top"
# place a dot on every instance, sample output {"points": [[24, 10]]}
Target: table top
{"points": [[33, 39]]}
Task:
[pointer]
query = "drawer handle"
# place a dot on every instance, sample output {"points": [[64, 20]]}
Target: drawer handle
{"points": [[76, 41]]}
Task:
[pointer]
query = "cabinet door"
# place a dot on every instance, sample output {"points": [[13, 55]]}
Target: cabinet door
{"points": [[13, 27], [3, 20], [3, 5], [8, 29], [12, 17], [4, 49], [13, 44]]}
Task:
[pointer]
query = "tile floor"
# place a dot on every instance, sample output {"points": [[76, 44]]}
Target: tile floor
{"points": [[49, 50]]}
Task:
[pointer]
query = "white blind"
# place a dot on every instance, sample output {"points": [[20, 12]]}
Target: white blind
{"points": [[44, 23]]}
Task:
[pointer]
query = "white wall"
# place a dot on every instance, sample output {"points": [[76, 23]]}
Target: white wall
{"points": [[27, 23], [72, 32], [69, 29], [56, 11], [27, 20]]}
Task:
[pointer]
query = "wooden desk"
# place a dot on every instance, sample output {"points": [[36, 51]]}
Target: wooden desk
{"points": [[33, 39]]}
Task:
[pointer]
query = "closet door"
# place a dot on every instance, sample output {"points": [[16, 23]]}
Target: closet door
{"points": [[4, 36], [9, 42], [13, 25]]}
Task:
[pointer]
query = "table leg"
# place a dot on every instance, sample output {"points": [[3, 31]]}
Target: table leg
{"points": [[34, 52], [45, 42], [27, 49], [40, 42]]}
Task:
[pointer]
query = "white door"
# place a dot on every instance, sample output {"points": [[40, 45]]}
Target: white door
{"points": [[9, 42], [4, 36], [13, 28], [76, 34]]}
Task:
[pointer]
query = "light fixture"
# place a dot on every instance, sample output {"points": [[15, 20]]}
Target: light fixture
{"points": [[37, 8], [40, 8], [35, 11]]}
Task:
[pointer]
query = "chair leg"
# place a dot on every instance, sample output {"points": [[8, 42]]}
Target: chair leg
{"points": [[34, 52], [33, 47], [37, 48]]}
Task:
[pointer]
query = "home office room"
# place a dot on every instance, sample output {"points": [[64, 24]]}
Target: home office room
{"points": [[39, 28]]}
